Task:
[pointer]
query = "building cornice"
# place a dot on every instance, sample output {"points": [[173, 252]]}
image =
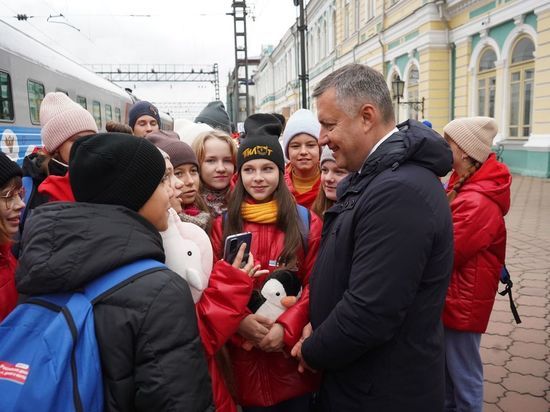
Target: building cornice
{"points": [[493, 18]]}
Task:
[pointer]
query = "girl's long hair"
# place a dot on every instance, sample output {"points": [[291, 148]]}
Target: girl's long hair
{"points": [[321, 203], [287, 220]]}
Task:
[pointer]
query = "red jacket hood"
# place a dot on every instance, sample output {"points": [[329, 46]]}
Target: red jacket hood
{"points": [[493, 179], [58, 188]]}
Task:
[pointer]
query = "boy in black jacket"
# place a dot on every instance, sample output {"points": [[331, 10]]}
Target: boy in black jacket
{"points": [[151, 354]]}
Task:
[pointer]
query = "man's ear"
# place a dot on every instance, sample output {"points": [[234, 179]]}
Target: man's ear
{"points": [[368, 114]]}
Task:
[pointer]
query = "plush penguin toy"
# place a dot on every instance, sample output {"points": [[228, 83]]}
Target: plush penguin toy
{"points": [[280, 291]]}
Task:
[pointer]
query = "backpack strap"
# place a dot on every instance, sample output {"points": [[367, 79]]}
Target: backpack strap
{"points": [[507, 281], [303, 214], [110, 280]]}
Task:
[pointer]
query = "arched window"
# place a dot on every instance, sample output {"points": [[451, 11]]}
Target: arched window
{"points": [[412, 91], [486, 83], [522, 70], [318, 45]]}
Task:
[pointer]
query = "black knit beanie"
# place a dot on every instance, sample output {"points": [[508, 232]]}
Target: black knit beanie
{"points": [[115, 169], [142, 108], [261, 141], [8, 169], [215, 116]]}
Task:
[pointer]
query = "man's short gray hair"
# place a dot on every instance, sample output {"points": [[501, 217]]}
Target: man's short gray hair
{"points": [[356, 85]]}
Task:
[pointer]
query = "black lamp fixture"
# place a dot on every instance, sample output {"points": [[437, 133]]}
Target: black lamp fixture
{"points": [[398, 88]]}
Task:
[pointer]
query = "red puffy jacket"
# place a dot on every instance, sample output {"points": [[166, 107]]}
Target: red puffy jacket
{"points": [[8, 293], [305, 199], [480, 246], [220, 310], [262, 378]]}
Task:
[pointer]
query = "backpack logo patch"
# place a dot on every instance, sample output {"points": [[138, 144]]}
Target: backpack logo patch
{"points": [[14, 373]]}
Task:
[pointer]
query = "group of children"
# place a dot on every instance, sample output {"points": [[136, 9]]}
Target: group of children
{"points": [[127, 197]]}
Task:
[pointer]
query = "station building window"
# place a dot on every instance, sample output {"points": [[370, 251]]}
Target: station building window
{"points": [[82, 101], [36, 93], [118, 116], [96, 112], [486, 83], [108, 112], [6, 98], [522, 70]]}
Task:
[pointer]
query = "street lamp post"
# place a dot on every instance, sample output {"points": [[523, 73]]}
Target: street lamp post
{"points": [[398, 87], [302, 29]]}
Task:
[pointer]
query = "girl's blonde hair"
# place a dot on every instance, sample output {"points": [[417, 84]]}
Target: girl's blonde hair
{"points": [[199, 143]]}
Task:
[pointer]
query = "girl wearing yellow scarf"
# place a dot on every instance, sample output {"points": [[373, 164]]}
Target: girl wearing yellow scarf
{"points": [[262, 204]]}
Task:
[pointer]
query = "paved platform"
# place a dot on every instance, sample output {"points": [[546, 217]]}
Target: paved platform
{"points": [[517, 357]]}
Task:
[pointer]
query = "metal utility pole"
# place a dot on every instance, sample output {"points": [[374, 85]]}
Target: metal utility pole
{"points": [[241, 58], [303, 77]]}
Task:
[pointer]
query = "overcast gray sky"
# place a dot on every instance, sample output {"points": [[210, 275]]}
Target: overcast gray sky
{"points": [[177, 31]]}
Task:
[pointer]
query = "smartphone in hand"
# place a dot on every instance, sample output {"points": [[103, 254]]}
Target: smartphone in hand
{"points": [[232, 245]]}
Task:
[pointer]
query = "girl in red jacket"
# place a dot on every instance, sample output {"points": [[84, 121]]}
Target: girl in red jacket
{"points": [[11, 204], [267, 378], [479, 195], [301, 147]]}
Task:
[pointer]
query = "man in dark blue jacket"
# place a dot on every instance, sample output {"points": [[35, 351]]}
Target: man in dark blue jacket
{"points": [[379, 283]]}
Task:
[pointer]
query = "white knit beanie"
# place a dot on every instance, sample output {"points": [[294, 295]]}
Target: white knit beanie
{"points": [[302, 121], [327, 154], [474, 135], [61, 119], [188, 130]]}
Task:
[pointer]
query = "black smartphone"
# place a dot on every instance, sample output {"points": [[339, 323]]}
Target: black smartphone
{"points": [[232, 245]]}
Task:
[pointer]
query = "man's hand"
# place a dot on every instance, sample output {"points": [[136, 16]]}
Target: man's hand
{"points": [[297, 349]]}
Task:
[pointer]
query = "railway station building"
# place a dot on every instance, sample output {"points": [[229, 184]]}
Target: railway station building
{"points": [[441, 59]]}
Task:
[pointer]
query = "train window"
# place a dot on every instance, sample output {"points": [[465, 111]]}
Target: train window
{"points": [[36, 93], [6, 98], [82, 101], [96, 112], [62, 91], [118, 117], [108, 112]]}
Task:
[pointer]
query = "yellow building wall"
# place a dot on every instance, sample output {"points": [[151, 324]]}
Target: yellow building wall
{"points": [[434, 85], [541, 110], [400, 10], [462, 53]]}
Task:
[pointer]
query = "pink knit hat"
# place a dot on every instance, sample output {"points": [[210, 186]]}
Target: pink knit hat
{"points": [[61, 119], [474, 135]]}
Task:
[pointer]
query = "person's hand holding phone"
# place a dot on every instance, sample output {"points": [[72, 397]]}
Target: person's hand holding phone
{"points": [[249, 268]]}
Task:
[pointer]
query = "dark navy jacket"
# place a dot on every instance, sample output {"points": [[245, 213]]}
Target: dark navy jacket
{"points": [[152, 358], [379, 283]]}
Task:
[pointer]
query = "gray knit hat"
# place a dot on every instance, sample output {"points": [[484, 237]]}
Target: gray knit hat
{"points": [[327, 154], [474, 135], [215, 115]]}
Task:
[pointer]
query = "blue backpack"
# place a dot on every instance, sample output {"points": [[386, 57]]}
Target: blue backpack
{"points": [[49, 357]]}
